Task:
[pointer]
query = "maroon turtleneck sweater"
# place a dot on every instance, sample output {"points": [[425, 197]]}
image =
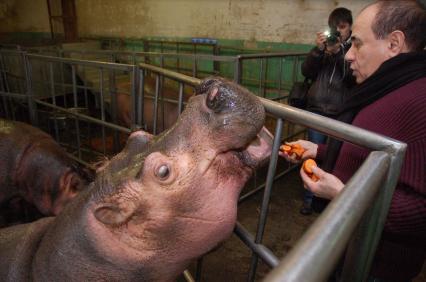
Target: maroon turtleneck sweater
{"points": [[400, 115]]}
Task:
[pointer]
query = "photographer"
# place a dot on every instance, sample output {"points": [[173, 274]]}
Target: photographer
{"points": [[326, 67]]}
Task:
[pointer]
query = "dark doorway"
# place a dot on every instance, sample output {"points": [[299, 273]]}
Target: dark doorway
{"points": [[63, 20]]}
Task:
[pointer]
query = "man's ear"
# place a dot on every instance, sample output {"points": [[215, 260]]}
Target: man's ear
{"points": [[397, 43]]}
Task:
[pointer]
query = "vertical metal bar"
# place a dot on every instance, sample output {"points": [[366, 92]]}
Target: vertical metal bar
{"points": [[74, 86], [194, 66], [52, 89], [77, 126], [86, 99], [180, 104], [113, 106], [3, 79], [216, 64], [280, 72], [260, 77], [64, 90], [157, 92], [133, 97], [141, 96], [363, 247], [265, 78], [238, 71], [266, 196], [30, 93], [101, 92]]}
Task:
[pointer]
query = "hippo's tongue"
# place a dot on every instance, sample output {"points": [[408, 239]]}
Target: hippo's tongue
{"points": [[259, 150]]}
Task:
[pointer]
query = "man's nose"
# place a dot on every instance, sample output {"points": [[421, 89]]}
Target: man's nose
{"points": [[349, 55]]}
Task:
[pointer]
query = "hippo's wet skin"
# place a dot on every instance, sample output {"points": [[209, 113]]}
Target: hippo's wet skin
{"points": [[157, 205]]}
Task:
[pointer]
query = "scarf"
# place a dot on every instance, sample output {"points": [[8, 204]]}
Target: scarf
{"points": [[391, 75]]}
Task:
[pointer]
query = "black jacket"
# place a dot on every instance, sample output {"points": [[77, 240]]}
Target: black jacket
{"points": [[332, 78]]}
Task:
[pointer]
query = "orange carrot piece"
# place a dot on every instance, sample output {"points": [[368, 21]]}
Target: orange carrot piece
{"points": [[308, 164], [285, 148]]}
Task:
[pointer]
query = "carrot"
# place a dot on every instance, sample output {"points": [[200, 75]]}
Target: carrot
{"points": [[296, 149], [285, 148], [307, 167], [308, 164]]}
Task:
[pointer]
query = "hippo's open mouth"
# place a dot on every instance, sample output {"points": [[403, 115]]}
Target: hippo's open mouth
{"points": [[254, 155]]}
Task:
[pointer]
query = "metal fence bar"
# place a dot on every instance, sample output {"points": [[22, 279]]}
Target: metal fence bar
{"points": [[101, 93], [84, 117], [29, 90], [260, 250], [267, 195], [322, 245], [76, 122], [52, 92]]}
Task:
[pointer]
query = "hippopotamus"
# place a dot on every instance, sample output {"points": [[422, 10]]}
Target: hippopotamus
{"points": [[34, 167], [157, 205]]}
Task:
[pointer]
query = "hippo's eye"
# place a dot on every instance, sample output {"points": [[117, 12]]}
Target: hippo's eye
{"points": [[163, 172]]}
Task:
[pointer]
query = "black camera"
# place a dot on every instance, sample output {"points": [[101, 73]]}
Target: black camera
{"points": [[332, 36]]}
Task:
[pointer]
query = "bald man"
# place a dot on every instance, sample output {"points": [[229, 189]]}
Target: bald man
{"points": [[388, 60]]}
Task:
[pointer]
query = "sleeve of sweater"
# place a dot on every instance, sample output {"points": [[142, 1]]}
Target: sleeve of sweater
{"points": [[407, 213], [321, 152]]}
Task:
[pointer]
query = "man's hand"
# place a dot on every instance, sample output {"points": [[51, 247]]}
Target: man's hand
{"points": [[320, 40], [327, 186], [309, 153]]}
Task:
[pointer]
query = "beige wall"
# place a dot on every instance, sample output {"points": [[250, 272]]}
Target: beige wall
{"points": [[258, 20], [24, 16]]}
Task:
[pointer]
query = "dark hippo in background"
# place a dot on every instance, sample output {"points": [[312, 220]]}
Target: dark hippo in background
{"points": [[34, 167], [157, 205]]}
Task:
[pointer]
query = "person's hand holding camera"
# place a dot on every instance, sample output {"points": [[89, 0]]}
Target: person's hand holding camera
{"points": [[320, 40]]}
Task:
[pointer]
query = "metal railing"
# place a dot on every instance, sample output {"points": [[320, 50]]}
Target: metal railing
{"points": [[266, 74], [351, 222]]}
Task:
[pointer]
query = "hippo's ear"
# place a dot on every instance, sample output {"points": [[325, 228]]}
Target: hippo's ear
{"points": [[71, 182], [112, 214]]}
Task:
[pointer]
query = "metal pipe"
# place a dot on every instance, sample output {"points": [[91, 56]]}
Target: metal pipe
{"points": [[260, 250], [180, 104], [29, 90], [322, 245], [101, 93], [172, 75], [95, 64], [52, 90], [266, 195], [157, 92], [85, 117]]}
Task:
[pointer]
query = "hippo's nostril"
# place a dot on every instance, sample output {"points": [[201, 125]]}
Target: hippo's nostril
{"points": [[214, 100], [163, 172]]}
